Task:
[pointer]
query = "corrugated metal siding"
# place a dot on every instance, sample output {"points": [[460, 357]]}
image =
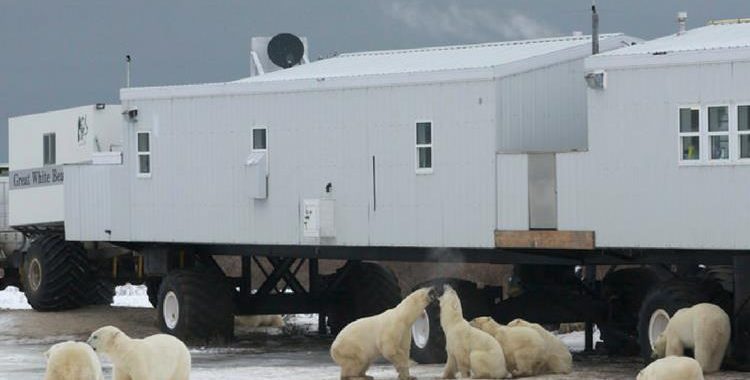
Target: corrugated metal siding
{"points": [[199, 191], [88, 204], [630, 189], [542, 110], [512, 192]]}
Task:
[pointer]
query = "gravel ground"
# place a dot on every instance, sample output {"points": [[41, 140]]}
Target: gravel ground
{"points": [[294, 353]]}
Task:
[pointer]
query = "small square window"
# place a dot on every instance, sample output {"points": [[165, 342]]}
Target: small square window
{"points": [[720, 147], [690, 147], [424, 133], [259, 139], [48, 148], [689, 120], [425, 158], [743, 118], [718, 119], [144, 164], [745, 146], [143, 142]]}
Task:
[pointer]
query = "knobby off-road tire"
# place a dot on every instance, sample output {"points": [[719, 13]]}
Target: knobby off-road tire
{"points": [[56, 274], [674, 295], [196, 307], [101, 288], [366, 289]]}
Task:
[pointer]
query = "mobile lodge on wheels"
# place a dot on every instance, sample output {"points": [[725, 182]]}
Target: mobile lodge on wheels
{"points": [[533, 153]]}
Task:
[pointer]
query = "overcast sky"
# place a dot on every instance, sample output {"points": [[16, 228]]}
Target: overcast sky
{"points": [[62, 53]]}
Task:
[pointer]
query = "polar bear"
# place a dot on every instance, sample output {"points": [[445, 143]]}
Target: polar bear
{"points": [[471, 351], [559, 359], [524, 348], [672, 368], [273, 320], [157, 357], [387, 334], [72, 361], [704, 327]]}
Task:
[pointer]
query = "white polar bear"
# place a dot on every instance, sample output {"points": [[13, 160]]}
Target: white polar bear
{"points": [[157, 357], [72, 361], [471, 351], [559, 359], [672, 368], [524, 348], [704, 327], [387, 334], [273, 320]]}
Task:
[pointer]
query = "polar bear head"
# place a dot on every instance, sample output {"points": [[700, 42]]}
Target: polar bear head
{"points": [[450, 304], [660, 347], [483, 323], [104, 338]]}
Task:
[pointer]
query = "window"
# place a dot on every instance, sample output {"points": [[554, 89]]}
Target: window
{"points": [[144, 154], [424, 147], [743, 130], [48, 146], [689, 134], [718, 132], [259, 139]]}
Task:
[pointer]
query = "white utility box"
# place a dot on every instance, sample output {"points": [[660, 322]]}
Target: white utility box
{"points": [[317, 218]]}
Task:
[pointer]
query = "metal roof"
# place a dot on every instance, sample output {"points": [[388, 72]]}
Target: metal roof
{"points": [[424, 60], [719, 36]]}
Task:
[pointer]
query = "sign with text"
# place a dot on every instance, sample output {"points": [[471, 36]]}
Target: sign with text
{"points": [[37, 177]]}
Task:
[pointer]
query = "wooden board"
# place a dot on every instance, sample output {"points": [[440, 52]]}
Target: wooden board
{"points": [[545, 239]]}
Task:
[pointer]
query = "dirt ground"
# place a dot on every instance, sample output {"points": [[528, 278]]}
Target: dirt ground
{"points": [[257, 354]]}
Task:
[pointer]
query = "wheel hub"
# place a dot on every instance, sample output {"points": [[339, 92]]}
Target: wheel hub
{"points": [[171, 310], [35, 274], [420, 330], [656, 325]]}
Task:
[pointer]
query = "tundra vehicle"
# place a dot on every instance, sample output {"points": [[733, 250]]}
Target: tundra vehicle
{"points": [[533, 153]]}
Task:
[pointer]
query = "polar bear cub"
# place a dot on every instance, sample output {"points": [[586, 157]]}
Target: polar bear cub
{"points": [[471, 351], [157, 357], [704, 327], [524, 348], [72, 361], [559, 359], [387, 334], [672, 368]]}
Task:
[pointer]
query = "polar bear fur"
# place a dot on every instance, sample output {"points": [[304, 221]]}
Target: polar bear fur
{"points": [[471, 351], [672, 368], [157, 357], [524, 348], [704, 327], [273, 320], [387, 334], [72, 361], [559, 359]]}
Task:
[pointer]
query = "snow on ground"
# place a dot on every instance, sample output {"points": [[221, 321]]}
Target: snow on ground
{"points": [[13, 299], [125, 296], [576, 340]]}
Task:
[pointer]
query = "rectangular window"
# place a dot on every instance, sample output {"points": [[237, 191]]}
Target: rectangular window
{"points": [[424, 147], [144, 154], [689, 134], [743, 130], [259, 139], [718, 132], [48, 146]]}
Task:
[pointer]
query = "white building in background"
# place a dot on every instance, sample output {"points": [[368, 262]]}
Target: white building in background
{"points": [[668, 164]]}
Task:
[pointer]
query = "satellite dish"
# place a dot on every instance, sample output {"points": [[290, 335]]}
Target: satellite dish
{"points": [[285, 50]]}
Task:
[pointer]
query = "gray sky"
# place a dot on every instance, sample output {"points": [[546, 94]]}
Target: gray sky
{"points": [[62, 53]]}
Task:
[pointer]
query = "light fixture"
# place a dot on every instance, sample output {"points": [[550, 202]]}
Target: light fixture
{"points": [[596, 80], [100, 106]]}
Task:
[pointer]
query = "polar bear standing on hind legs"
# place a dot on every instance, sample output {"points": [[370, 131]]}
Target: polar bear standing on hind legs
{"points": [[387, 334], [72, 361], [471, 351], [704, 327], [157, 357]]}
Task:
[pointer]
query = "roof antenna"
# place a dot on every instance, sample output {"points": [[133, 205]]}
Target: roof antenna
{"points": [[127, 71], [594, 29], [681, 23]]}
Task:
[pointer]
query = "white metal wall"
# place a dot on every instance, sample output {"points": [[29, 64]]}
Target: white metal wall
{"points": [[199, 190], [543, 111], [630, 189]]}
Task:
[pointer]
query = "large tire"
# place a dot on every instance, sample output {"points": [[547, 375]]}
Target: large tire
{"points": [[55, 274], [196, 307], [431, 349], [672, 296], [624, 291], [366, 289], [101, 288]]}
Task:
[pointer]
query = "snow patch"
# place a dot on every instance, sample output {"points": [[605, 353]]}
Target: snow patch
{"points": [[131, 296], [13, 299], [576, 340]]}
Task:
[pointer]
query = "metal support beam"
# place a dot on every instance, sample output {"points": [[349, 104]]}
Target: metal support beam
{"points": [[590, 283], [246, 282]]}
